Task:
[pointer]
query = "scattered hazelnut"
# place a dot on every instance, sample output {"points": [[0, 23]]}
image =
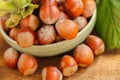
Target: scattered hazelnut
{"points": [[68, 65], [51, 73], [83, 55], [27, 64], [10, 57], [96, 44]]}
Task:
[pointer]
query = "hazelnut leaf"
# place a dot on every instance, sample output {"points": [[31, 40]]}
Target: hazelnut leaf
{"points": [[108, 23]]}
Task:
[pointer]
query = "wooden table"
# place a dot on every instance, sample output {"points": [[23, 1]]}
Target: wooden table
{"points": [[104, 67]]}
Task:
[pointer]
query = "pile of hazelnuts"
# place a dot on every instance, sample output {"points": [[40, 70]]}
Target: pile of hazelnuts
{"points": [[53, 21], [57, 20], [83, 56]]}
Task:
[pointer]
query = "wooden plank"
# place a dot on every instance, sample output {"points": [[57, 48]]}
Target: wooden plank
{"points": [[104, 67]]}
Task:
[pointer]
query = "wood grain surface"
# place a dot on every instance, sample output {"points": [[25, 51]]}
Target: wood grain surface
{"points": [[104, 67]]}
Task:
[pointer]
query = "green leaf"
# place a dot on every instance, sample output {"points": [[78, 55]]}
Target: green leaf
{"points": [[7, 7], [21, 3], [18, 9], [108, 22], [13, 20], [3, 13], [27, 10]]}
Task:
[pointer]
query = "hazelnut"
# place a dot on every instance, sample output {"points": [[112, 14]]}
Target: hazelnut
{"points": [[84, 55], [96, 44], [51, 73], [68, 65], [10, 57], [27, 64]]}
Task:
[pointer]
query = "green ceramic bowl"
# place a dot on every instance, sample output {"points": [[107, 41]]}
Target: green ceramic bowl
{"points": [[55, 48]]}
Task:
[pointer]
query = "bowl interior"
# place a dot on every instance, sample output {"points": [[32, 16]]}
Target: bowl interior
{"points": [[55, 48]]}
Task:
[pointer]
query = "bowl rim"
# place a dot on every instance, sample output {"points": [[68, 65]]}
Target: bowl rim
{"points": [[57, 43]]}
